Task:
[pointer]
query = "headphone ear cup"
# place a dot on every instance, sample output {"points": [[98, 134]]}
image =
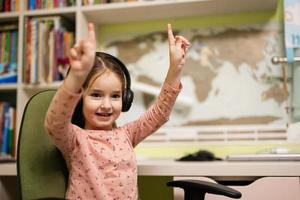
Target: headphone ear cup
{"points": [[127, 100]]}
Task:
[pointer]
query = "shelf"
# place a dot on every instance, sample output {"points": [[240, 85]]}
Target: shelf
{"points": [[10, 86], [6, 17], [140, 11], [68, 11], [8, 169], [44, 86]]}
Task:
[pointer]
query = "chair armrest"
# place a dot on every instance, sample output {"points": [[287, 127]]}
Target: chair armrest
{"points": [[193, 188]]}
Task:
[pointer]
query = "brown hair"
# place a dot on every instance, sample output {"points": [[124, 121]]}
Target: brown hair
{"points": [[101, 65]]}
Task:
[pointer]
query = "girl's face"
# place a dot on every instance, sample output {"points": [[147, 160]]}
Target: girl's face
{"points": [[102, 102]]}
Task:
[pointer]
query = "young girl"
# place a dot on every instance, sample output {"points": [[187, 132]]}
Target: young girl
{"points": [[100, 156]]}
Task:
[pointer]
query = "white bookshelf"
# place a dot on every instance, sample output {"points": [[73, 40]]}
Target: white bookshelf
{"points": [[109, 14]]}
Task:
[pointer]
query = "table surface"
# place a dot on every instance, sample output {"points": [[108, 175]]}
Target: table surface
{"points": [[220, 170], [217, 169]]}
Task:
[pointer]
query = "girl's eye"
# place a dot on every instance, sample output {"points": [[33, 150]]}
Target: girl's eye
{"points": [[96, 95], [116, 96]]}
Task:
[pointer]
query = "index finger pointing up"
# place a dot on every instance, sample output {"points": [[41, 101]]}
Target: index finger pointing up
{"points": [[170, 35], [91, 31]]}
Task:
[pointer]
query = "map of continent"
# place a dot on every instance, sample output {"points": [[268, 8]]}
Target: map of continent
{"points": [[228, 77]]}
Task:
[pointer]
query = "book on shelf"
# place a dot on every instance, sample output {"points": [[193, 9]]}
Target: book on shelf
{"points": [[8, 53], [48, 42], [7, 131], [94, 2], [48, 4], [8, 27], [8, 44], [8, 73], [1, 122], [9, 5]]}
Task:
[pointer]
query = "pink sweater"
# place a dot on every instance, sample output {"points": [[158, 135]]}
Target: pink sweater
{"points": [[102, 164]]}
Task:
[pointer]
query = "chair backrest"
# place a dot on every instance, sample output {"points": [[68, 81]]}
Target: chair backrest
{"points": [[42, 172]]}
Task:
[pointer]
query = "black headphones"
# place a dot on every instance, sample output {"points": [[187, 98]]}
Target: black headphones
{"points": [[127, 96]]}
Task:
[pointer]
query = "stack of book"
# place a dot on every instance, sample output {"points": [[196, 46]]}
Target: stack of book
{"points": [[8, 53], [48, 43], [48, 4], [7, 131], [9, 5]]}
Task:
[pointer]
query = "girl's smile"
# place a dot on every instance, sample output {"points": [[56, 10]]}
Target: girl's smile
{"points": [[104, 116]]}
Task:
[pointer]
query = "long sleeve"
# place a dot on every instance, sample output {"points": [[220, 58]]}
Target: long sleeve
{"points": [[58, 118], [154, 117]]}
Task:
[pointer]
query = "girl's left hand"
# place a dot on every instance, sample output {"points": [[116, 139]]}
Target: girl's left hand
{"points": [[178, 47]]}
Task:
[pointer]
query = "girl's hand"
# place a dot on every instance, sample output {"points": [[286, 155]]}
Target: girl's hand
{"points": [[178, 47], [82, 55]]}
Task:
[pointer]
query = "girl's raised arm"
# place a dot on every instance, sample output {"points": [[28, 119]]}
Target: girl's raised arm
{"points": [[82, 57], [178, 47]]}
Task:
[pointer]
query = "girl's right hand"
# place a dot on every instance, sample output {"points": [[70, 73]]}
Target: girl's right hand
{"points": [[82, 55], [178, 46]]}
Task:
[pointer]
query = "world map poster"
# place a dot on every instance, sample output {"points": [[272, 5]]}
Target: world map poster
{"points": [[228, 77]]}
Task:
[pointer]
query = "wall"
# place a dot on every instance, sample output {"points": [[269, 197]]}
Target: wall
{"points": [[228, 79]]}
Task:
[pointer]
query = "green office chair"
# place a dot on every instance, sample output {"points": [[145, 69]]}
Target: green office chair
{"points": [[42, 172]]}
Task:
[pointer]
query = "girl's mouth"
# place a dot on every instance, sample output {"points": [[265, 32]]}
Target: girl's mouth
{"points": [[104, 114]]}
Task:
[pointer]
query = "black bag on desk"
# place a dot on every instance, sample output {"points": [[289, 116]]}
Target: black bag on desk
{"points": [[201, 155]]}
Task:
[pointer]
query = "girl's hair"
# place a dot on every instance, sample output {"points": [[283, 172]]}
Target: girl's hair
{"points": [[102, 64]]}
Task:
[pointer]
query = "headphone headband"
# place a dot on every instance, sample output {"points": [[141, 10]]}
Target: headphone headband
{"points": [[120, 64]]}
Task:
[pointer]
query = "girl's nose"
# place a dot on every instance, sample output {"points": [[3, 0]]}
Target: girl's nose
{"points": [[105, 103]]}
